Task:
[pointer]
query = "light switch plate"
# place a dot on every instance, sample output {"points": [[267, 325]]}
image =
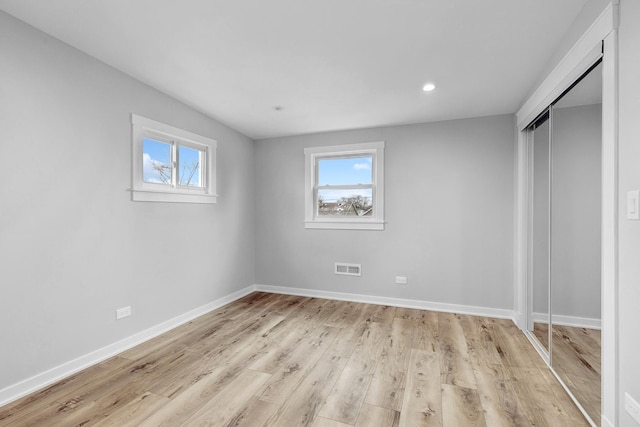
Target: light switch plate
{"points": [[633, 205]]}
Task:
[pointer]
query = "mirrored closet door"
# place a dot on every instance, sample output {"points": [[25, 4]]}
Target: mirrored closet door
{"points": [[565, 238], [539, 229]]}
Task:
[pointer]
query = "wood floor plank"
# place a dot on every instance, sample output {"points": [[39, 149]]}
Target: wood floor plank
{"points": [[198, 397], [375, 416], [241, 334], [326, 363], [227, 367], [410, 313], [362, 313], [422, 400], [195, 365], [387, 386], [134, 412], [49, 399], [254, 413], [456, 364], [303, 359], [480, 346], [324, 422], [343, 310], [216, 324], [255, 297], [427, 335], [304, 402], [347, 339], [541, 332], [508, 340], [560, 398], [281, 349], [536, 391], [383, 314], [576, 359], [587, 391], [500, 403], [344, 401], [575, 352], [318, 310], [186, 369], [180, 408], [90, 397], [220, 409], [461, 407]]}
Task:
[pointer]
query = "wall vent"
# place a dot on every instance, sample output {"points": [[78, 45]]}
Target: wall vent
{"points": [[348, 269]]}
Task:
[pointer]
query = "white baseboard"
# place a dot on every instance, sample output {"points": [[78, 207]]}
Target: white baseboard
{"points": [[576, 322], [30, 385], [44, 379], [395, 302], [606, 422]]}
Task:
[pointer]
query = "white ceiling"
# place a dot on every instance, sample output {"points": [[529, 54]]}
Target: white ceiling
{"points": [[331, 64]]}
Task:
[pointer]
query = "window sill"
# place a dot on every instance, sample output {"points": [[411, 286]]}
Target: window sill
{"points": [[159, 196], [345, 225]]}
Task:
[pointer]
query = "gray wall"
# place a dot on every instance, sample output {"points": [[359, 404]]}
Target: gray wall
{"points": [[73, 247], [449, 200], [629, 231]]}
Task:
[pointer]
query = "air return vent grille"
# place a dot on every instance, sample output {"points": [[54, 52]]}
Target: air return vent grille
{"points": [[348, 269]]}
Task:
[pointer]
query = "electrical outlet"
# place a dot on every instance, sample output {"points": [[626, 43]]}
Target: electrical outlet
{"points": [[401, 280], [632, 407], [123, 312], [633, 204]]}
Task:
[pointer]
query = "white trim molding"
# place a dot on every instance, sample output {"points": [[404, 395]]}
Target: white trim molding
{"points": [[600, 40], [573, 321], [172, 192], [44, 379], [609, 273], [312, 220], [39, 381], [393, 302], [586, 51]]}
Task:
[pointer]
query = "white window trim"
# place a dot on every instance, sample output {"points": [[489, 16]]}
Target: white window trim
{"points": [[141, 191], [376, 222]]}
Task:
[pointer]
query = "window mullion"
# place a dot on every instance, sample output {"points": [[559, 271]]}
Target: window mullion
{"points": [[174, 164], [344, 187], [204, 154]]}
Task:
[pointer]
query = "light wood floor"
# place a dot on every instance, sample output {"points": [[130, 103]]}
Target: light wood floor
{"points": [[541, 331], [576, 359], [275, 360]]}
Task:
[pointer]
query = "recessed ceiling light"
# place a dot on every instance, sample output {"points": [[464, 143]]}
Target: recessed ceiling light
{"points": [[428, 87], [278, 107]]}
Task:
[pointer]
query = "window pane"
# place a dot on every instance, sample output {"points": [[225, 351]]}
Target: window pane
{"points": [[156, 161], [345, 171], [190, 162], [356, 202]]}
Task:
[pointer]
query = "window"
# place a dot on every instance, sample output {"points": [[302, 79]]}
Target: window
{"points": [[171, 164], [344, 186]]}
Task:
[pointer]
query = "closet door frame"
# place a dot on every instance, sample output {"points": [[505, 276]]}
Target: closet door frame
{"points": [[599, 41], [529, 137]]}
